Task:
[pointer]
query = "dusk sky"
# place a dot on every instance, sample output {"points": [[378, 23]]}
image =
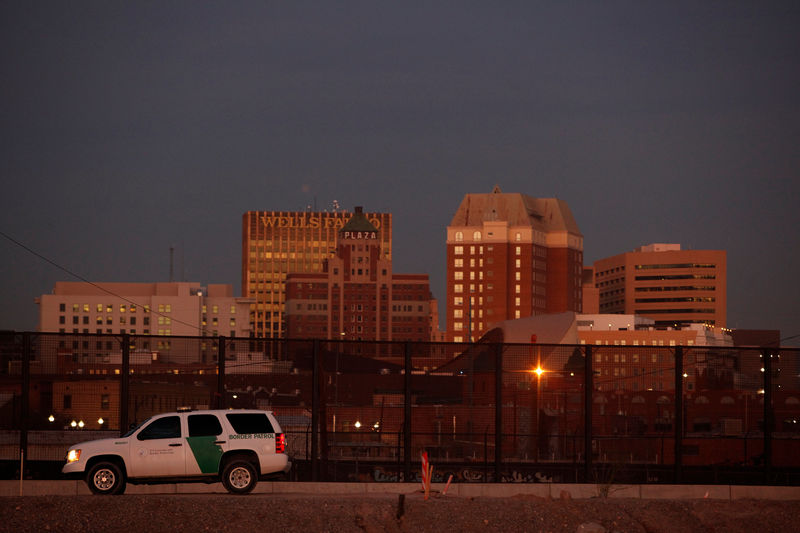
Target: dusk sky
{"points": [[130, 127]]}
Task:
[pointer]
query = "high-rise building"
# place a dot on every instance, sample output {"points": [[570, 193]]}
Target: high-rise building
{"points": [[674, 287], [277, 243], [357, 296], [510, 256]]}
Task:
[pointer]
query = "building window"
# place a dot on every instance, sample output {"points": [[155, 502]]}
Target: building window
{"points": [[105, 402], [476, 236], [458, 250], [518, 250], [518, 263], [68, 401], [458, 275], [459, 236], [458, 287]]}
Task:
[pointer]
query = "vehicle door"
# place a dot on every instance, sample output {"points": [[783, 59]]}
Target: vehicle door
{"points": [[157, 450], [206, 444]]}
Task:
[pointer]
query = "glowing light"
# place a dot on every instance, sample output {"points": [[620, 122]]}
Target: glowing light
{"points": [[357, 424], [81, 424], [73, 424], [538, 371], [101, 421], [51, 418]]}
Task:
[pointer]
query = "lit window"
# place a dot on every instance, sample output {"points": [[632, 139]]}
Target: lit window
{"points": [[518, 263], [459, 236], [458, 263], [458, 275], [458, 250], [476, 236], [458, 287], [518, 250]]}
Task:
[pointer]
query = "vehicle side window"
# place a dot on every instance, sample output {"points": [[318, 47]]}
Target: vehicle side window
{"points": [[204, 426], [250, 423], [168, 427]]}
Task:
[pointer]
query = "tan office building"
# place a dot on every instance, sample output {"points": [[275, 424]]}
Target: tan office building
{"points": [[674, 287], [277, 243], [169, 309]]}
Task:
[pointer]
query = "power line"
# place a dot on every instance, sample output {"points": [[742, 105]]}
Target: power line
{"points": [[95, 285]]}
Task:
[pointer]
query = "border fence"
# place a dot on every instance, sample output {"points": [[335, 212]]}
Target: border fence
{"points": [[365, 411]]}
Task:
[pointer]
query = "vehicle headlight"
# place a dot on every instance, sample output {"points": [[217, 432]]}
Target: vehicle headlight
{"points": [[73, 455]]}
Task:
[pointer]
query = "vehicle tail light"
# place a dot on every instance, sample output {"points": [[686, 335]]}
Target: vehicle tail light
{"points": [[280, 443]]}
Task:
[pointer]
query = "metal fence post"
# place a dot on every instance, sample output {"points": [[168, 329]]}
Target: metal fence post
{"points": [[498, 412], [315, 379], [588, 386], [222, 399], [768, 414], [25, 399], [678, 430], [124, 385], [407, 413]]}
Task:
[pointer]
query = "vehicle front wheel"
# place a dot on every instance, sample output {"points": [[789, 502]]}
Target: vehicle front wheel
{"points": [[106, 478], [239, 476]]}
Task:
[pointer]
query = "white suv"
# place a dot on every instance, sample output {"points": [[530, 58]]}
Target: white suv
{"points": [[236, 447]]}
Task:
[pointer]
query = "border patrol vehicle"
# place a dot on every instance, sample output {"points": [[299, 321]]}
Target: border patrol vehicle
{"points": [[237, 447]]}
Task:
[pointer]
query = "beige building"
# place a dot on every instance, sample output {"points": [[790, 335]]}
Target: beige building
{"points": [[169, 309], [674, 287]]}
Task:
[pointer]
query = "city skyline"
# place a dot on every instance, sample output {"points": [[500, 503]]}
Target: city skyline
{"points": [[129, 129]]}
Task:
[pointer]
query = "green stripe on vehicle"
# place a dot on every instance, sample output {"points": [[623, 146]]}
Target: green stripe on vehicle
{"points": [[206, 453]]}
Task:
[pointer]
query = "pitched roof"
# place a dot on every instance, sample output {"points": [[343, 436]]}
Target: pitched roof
{"points": [[545, 214], [359, 222]]}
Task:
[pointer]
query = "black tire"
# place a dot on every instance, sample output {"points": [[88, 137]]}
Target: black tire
{"points": [[106, 478], [239, 476]]}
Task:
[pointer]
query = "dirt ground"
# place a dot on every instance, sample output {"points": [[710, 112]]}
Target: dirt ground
{"points": [[387, 513]]}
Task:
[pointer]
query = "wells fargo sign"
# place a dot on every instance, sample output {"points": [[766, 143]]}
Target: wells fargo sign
{"points": [[310, 220]]}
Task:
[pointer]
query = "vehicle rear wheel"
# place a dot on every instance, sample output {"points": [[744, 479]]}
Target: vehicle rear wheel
{"points": [[106, 478], [239, 476]]}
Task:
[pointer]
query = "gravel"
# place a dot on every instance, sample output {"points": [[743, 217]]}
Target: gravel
{"points": [[387, 513]]}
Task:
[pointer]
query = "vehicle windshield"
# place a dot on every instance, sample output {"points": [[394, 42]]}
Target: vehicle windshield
{"points": [[135, 426]]}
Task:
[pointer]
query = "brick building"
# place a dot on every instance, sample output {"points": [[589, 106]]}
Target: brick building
{"points": [[356, 296], [510, 256]]}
